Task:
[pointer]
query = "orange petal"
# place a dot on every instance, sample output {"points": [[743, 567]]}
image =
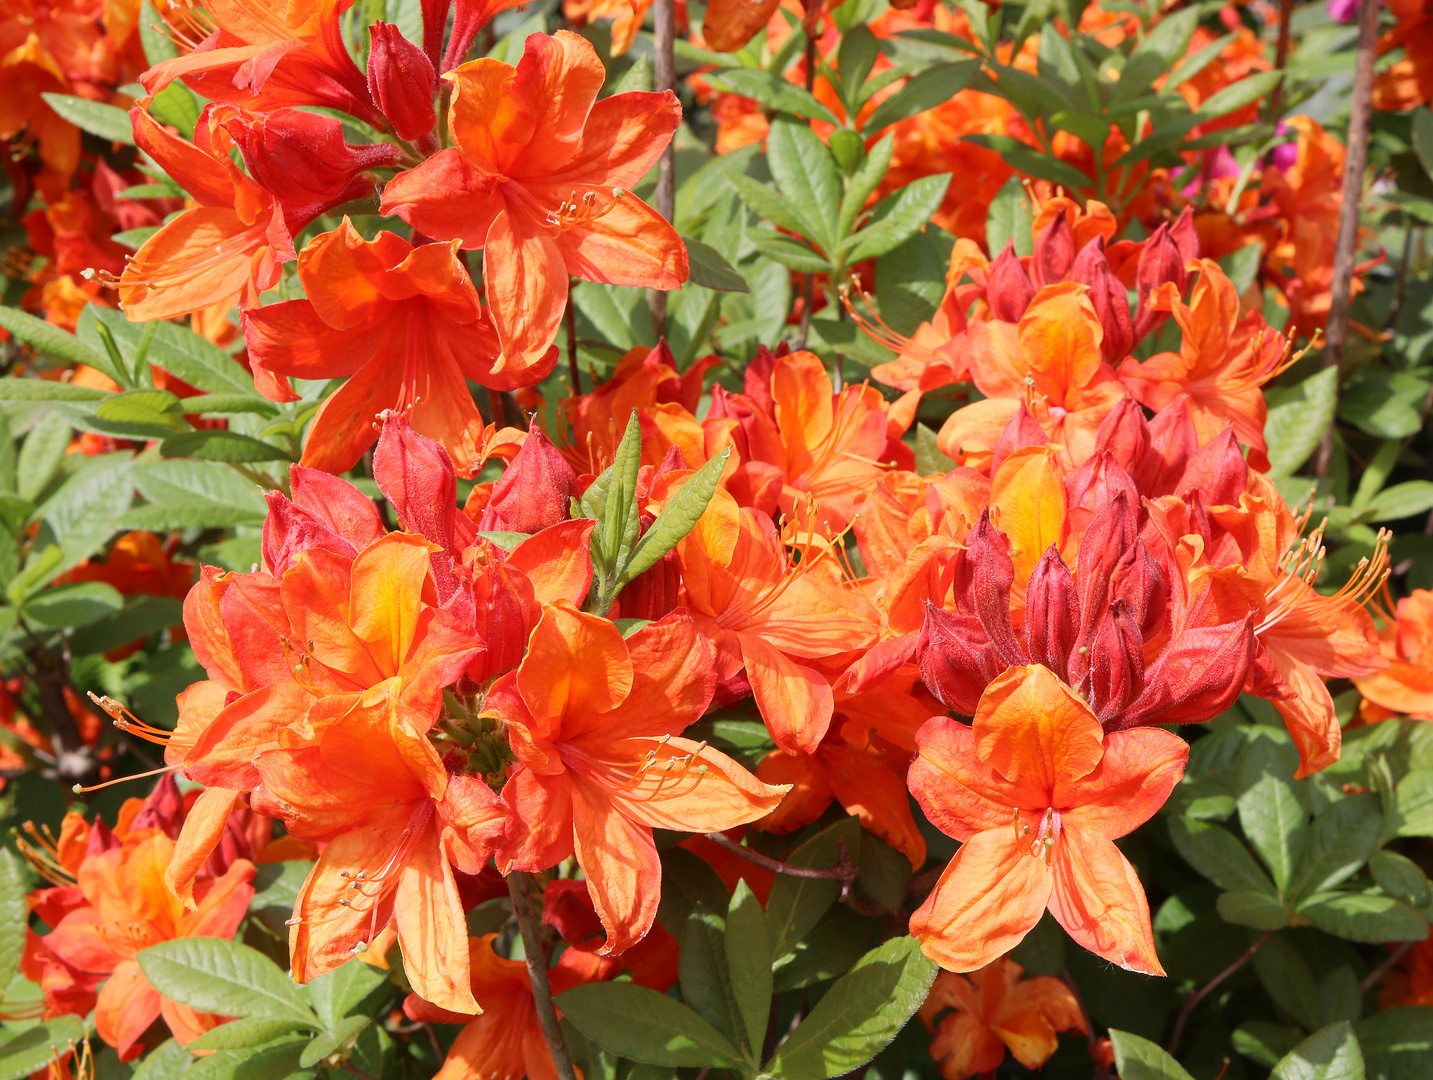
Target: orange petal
{"points": [[796, 702], [683, 786], [1033, 730], [1132, 781], [127, 1006], [619, 859], [204, 824], [576, 663], [1099, 900], [432, 928]]}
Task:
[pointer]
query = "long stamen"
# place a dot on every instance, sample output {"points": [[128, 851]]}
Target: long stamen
{"points": [[80, 790], [581, 210]]}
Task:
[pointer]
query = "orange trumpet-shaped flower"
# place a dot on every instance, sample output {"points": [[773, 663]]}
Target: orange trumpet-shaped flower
{"points": [[1406, 685], [403, 324], [1036, 792], [772, 617], [266, 56], [540, 179], [995, 1009], [595, 722], [231, 246]]}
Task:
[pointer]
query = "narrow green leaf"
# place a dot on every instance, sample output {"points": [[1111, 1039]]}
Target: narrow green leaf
{"points": [[1010, 219], [1156, 54], [1140, 1059], [1423, 137], [41, 453], [638, 1023], [771, 205], [36, 1047], [774, 92], [1276, 825], [1287, 978], [165, 1062], [711, 271], [706, 980], [748, 961], [900, 216], [1298, 417], [14, 915], [211, 445], [825, 953], [1368, 917], [158, 408], [1236, 95], [791, 253], [1258, 910], [1214, 852], [278, 1059], [75, 604], [243, 1034], [342, 990], [797, 904], [1401, 878], [860, 1014], [47, 339], [330, 1042], [107, 121], [1340, 842], [925, 90], [1329, 1054], [806, 174], [1410, 498], [678, 517], [862, 182], [224, 977]]}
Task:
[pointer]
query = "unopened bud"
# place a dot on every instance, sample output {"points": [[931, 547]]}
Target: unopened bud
{"points": [[401, 80]]}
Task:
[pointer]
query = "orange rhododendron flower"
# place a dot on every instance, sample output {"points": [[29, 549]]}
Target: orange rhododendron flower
{"points": [[539, 179], [1036, 792], [595, 721], [995, 1009], [1406, 685], [403, 324], [772, 617]]}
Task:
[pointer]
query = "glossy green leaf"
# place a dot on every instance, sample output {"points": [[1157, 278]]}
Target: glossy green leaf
{"points": [[638, 1023], [1259, 910], [748, 962], [246, 1033], [332, 1041], [47, 338], [709, 270], [898, 217], [705, 977], [1369, 917], [924, 90], [212, 445], [1401, 878], [1339, 843], [72, 605], [806, 174], [770, 204], [36, 1047], [797, 904], [1140, 1059], [107, 121], [1298, 417], [678, 517], [224, 977], [1397, 1044], [773, 91], [14, 915], [1214, 852], [1159, 50], [1331, 1053]]}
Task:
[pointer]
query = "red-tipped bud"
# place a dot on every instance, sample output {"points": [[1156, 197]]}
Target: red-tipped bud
{"points": [[1094, 485], [417, 478], [1052, 613], [956, 660], [1195, 679], [1106, 539], [1124, 435], [1173, 441], [162, 810], [401, 80], [303, 160], [534, 492], [1185, 238], [290, 529], [1115, 663], [338, 504], [984, 573], [1218, 470], [1008, 288], [1141, 586], [1054, 253], [1022, 431], [1110, 300], [1160, 261]]}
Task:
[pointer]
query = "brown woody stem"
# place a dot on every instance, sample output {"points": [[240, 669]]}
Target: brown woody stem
{"points": [[844, 871], [520, 889], [1196, 996], [1376, 975], [664, 77]]}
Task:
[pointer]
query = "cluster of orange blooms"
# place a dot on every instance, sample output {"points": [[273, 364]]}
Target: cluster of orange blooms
{"points": [[1102, 555]]}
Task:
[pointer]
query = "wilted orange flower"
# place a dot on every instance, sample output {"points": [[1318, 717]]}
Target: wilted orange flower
{"points": [[1036, 792], [995, 1009], [1406, 685], [595, 722], [403, 324], [539, 178]]}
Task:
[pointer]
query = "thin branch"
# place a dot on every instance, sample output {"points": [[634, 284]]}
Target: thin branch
{"points": [[844, 871], [664, 77], [1355, 161], [1281, 56], [1196, 996], [351, 1068], [573, 371], [520, 889], [1376, 975]]}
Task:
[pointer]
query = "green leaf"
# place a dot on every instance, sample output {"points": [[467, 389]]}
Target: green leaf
{"points": [[36, 1047], [1288, 980], [1298, 417], [186, 494], [1340, 842], [505, 540], [107, 121], [157, 45], [1413, 803], [41, 453], [638, 1023], [46, 338], [331, 1042], [924, 90], [678, 517], [229, 404], [806, 174], [1242, 266], [611, 501], [1423, 138], [12, 389], [1398, 1044], [1214, 852], [342, 990], [709, 270], [14, 915], [242, 1034], [748, 962], [1235, 96], [791, 253], [900, 216], [1032, 162], [1156, 54], [1264, 1042], [854, 60], [687, 881], [182, 352], [863, 181], [1140, 1059], [165, 1062], [1259, 910], [860, 1014], [75, 604], [278, 1059], [210, 445], [773, 91], [1401, 878], [224, 977], [797, 904], [706, 981], [81, 512], [771, 205], [930, 458], [1410, 498], [1329, 1054], [155, 408], [824, 953], [277, 885], [176, 105], [1370, 917]]}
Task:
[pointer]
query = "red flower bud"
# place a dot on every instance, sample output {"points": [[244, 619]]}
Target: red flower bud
{"points": [[984, 573], [1022, 431], [1124, 435], [1110, 300], [401, 79], [535, 490], [1197, 677], [1116, 663], [956, 660], [504, 612], [1218, 470], [1173, 442], [1052, 613], [1160, 261], [1008, 288], [1141, 586], [1054, 253]]}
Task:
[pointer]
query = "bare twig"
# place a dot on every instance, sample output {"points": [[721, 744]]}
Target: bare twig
{"points": [[573, 371], [1281, 56], [1376, 975], [349, 1067], [1196, 996], [844, 871], [520, 889], [664, 77], [1346, 249]]}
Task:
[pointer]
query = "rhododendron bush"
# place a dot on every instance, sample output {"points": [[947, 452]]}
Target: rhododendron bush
{"points": [[631, 539]]}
